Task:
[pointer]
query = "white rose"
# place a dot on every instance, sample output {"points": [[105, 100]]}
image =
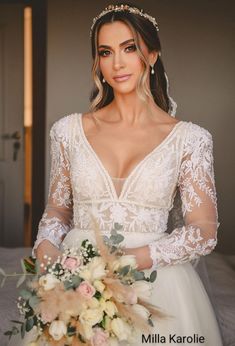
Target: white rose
{"points": [[97, 268], [48, 281], [113, 341], [123, 261], [85, 274], [92, 303], [121, 328], [57, 330], [88, 331], [143, 289], [107, 294], [140, 310], [107, 323], [99, 285], [91, 316], [110, 308]]}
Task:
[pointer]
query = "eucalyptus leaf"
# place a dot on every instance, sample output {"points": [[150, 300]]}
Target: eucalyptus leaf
{"points": [[117, 226], [76, 280], [21, 280], [25, 294], [150, 322], [68, 285], [33, 302], [138, 275], [153, 276], [117, 239], [124, 270], [23, 266], [29, 324], [2, 272]]}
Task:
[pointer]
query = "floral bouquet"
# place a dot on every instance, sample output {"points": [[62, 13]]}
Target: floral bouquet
{"points": [[93, 295]]}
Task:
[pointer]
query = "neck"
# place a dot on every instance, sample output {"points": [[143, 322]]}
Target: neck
{"points": [[130, 109]]}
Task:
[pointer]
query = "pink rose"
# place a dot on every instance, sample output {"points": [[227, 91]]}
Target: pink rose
{"points": [[48, 316], [100, 337], [86, 289], [71, 263]]}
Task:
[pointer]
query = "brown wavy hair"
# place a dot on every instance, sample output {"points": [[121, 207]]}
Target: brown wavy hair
{"points": [[102, 94]]}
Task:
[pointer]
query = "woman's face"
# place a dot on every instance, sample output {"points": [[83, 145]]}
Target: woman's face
{"points": [[118, 57]]}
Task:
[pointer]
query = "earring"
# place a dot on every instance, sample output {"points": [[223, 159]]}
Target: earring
{"points": [[103, 80], [152, 70]]}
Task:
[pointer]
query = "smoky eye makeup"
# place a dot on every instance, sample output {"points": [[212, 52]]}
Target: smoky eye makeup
{"points": [[105, 52]]}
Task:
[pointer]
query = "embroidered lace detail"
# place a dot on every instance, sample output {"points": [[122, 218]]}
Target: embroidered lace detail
{"points": [[80, 187], [57, 217], [199, 205]]}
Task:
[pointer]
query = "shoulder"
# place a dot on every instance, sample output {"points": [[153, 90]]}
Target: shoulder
{"points": [[60, 128], [197, 135]]}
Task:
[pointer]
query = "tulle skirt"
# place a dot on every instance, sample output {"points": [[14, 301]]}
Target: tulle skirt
{"points": [[177, 291]]}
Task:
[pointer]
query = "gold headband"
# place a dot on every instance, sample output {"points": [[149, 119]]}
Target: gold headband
{"points": [[119, 8]]}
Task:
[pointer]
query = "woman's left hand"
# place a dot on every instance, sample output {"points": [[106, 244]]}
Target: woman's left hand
{"points": [[142, 256]]}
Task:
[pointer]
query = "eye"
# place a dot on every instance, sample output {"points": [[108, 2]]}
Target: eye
{"points": [[104, 52], [131, 48]]}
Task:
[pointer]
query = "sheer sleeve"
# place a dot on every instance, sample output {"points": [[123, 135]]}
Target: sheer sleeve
{"points": [[198, 235], [57, 218]]}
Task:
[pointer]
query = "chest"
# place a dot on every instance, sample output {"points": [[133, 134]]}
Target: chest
{"points": [[151, 179], [121, 149]]}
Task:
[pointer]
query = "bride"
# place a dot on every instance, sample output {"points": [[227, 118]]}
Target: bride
{"points": [[124, 161]]}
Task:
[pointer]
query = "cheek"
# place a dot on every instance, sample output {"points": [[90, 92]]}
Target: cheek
{"points": [[105, 65]]}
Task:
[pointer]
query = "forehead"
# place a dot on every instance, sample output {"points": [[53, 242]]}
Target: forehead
{"points": [[111, 33]]}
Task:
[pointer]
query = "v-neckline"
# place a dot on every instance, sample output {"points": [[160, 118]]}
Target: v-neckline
{"points": [[137, 166]]}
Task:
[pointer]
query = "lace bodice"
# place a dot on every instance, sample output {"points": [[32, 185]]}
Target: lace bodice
{"points": [[80, 185]]}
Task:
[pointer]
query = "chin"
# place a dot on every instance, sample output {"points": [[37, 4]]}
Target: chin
{"points": [[125, 89]]}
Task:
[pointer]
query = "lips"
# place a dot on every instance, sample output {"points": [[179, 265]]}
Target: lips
{"points": [[122, 78]]}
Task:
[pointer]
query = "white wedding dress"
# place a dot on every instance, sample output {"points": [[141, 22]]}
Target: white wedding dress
{"points": [[80, 185]]}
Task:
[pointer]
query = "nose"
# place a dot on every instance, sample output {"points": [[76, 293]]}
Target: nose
{"points": [[117, 61]]}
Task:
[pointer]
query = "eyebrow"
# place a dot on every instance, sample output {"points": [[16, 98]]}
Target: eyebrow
{"points": [[121, 44]]}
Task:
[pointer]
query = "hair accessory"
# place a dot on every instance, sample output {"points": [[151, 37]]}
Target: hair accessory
{"points": [[119, 8]]}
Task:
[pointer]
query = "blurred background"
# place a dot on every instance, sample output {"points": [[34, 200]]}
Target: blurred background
{"points": [[45, 73]]}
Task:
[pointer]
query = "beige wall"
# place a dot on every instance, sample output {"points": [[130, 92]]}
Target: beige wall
{"points": [[198, 52]]}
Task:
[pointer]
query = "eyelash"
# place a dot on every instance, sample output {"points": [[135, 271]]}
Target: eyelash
{"points": [[102, 52]]}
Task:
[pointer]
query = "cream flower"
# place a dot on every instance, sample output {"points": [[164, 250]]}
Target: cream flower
{"points": [[121, 329], [110, 308], [99, 285], [48, 281], [95, 270], [140, 310], [91, 316], [87, 331], [93, 303], [113, 341], [107, 294], [124, 261], [57, 330], [143, 289]]}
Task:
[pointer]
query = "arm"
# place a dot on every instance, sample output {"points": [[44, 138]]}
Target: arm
{"points": [[196, 183], [57, 218]]}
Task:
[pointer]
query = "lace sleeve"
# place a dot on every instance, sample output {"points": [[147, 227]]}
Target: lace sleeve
{"points": [[57, 218], [198, 235]]}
